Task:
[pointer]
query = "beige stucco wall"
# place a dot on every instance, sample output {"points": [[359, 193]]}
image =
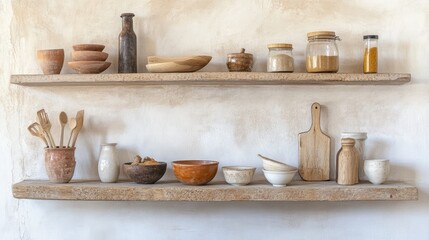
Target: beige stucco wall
{"points": [[229, 124]]}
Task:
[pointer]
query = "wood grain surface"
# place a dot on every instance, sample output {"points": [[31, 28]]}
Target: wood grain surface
{"points": [[212, 78], [314, 150], [214, 191]]}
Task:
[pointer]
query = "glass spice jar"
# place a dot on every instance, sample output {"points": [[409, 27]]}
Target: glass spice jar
{"points": [[280, 57], [322, 52], [370, 56]]}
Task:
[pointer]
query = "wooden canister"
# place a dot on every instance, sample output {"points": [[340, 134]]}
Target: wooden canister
{"points": [[347, 163]]}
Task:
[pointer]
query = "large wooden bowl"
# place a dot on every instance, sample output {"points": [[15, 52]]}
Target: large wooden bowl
{"points": [[87, 67], [195, 172], [146, 174], [176, 64]]}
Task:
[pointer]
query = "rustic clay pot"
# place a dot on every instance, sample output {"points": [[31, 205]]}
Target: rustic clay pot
{"points": [[60, 164], [195, 172], [240, 62], [51, 60], [147, 174]]}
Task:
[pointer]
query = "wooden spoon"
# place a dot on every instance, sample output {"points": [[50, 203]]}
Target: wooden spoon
{"points": [[63, 122], [36, 130], [72, 125], [79, 120]]}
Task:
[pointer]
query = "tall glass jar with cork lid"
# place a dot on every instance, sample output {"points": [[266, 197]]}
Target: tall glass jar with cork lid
{"points": [[322, 52], [280, 58]]}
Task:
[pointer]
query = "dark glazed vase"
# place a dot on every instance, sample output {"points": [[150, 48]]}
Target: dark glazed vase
{"points": [[127, 62]]}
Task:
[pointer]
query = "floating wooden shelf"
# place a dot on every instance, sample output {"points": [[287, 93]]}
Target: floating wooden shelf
{"points": [[212, 78], [217, 191]]}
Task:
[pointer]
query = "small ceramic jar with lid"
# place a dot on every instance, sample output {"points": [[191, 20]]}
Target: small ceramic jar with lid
{"points": [[240, 62], [280, 58], [322, 52]]}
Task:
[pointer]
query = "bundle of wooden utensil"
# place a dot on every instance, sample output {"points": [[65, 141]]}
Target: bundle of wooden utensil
{"points": [[42, 128]]}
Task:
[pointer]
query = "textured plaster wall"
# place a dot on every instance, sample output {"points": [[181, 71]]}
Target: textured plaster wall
{"points": [[229, 124]]}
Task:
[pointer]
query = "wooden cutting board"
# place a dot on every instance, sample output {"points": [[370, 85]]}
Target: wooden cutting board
{"points": [[314, 150]]}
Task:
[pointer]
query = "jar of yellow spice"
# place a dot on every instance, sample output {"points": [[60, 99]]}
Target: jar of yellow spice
{"points": [[370, 58], [322, 55]]}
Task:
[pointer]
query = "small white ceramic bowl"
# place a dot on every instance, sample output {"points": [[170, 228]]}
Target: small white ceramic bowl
{"points": [[377, 170], [238, 176], [279, 178], [273, 165]]}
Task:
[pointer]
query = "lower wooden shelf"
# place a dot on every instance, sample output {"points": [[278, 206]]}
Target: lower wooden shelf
{"points": [[215, 191]]}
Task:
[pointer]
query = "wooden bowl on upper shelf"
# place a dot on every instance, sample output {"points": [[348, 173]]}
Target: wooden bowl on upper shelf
{"points": [[87, 67], [88, 47], [176, 64], [89, 56]]}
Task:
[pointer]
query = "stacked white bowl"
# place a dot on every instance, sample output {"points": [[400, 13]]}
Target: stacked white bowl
{"points": [[277, 173]]}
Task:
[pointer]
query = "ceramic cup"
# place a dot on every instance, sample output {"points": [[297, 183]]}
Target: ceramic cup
{"points": [[377, 170], [60, 164], [51, 60]]}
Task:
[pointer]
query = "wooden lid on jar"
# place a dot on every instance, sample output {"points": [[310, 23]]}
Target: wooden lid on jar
{"points": [[241, 54], [328, 34], [280, 45]]}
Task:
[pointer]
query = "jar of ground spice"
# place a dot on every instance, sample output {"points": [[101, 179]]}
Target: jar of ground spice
{"points": [[322, 52], [370, 58], [280, 58]]}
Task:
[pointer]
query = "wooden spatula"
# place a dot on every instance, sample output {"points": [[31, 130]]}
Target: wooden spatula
{"points": [[314, 150]]}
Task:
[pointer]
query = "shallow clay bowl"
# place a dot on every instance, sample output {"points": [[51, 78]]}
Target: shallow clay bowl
{"points": [[273, 165], [176, 64], [195, 172], [51, 60], [147, 174], [89, 56], [89, 66], [88, 47]]}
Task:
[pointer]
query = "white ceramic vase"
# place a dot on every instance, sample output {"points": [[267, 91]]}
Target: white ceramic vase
{"points": [[108, 163], [377, 170]]}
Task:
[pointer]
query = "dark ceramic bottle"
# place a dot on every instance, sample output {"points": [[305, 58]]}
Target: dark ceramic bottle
{"points": [[127, 62]]}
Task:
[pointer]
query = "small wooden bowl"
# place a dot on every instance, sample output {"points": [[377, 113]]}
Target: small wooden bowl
{"points": [[146, 174], [88, 47], [51, 60], [240, 62], [89, 56], [87, 67], [195, 172]]}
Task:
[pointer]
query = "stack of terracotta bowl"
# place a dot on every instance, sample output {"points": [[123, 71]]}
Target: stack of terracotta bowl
{"points": [[89, 58]]}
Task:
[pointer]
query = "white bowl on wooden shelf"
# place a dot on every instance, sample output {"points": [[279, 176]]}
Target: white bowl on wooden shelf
{"points": [[279, 178], [273, 165]]}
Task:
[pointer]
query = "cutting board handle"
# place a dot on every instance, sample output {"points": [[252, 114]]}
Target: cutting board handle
{"points": [[315, 116]]}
